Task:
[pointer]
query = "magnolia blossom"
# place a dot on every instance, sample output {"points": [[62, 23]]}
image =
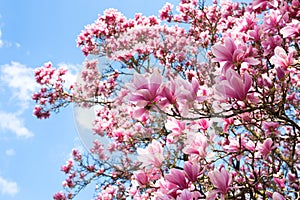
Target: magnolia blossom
{"points": [[188, 195], [234, 85], [177, 127], [292, 29], [279, 182], [145, 90], [231, 54], [185, 195], [99, 150], [271, 127], [281, 58], [180, 93], [59, 196], [235, 144], [221, 179], [266, 147], [152, 155], [177, 177], [192, 171], [141, 177], [196, 143]]}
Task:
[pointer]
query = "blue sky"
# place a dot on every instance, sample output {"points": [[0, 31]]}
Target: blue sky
{"points": [[33, 32]]}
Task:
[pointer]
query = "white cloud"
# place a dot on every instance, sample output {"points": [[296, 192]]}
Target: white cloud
{"points": [[18, 45], [20, 79], [1, 42], [12, 122], [8, 187], [10, 152]]}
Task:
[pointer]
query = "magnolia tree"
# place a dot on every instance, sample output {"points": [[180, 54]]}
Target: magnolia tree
{"points": [[201, 102]]}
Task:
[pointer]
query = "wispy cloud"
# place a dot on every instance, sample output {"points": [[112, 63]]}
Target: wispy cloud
{"points": [[20, 80], [7, 44], [13, 123], [1, 42], [10, 152], [8, 187]]}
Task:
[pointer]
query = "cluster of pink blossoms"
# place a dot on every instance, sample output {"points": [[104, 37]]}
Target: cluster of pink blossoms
{"points": [[202, 103], [52, 94]]}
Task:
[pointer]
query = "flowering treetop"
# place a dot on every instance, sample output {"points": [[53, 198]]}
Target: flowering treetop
{"points": [[201, 102]]}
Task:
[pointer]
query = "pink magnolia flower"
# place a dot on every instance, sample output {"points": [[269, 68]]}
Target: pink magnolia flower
{"points": [[188, 89], [292, 177], [192, 171], [107, 192], [235, 144], [270, 127], [59, 196], [259, 4], [145, 91], [280, 73], [152, 155], [270, 43], [99, 150], [204, 124], [188, 195], [177, 177], [281, 58], [211, 195], [279, 182], [250, 145], [165, 12], [196, 143], [177, 127], [221, 179], [272, 20], [291, 29], [76, 154], [141, 177], [232, 54], [167, 190], [266, 147], [234, 85], [277, 196], [185, 195], [227, 123], [181, 93], [67, 167]]}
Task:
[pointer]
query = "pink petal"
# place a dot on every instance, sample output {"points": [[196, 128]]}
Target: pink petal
{"points": [[176, 176], [251, 61], [156, 77], [230, 45], [277, 196], [268, 143], [279, 51], [221, 53], [287, 31], [248, 82], [185, 195], [139, 81], [236, 83], [191, 171]]}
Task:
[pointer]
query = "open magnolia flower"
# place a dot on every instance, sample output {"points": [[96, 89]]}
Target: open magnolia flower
{"points": [[234, 86]]}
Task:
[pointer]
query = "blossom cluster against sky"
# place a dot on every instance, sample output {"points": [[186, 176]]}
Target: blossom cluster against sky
{"points": [[33, 32]]}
